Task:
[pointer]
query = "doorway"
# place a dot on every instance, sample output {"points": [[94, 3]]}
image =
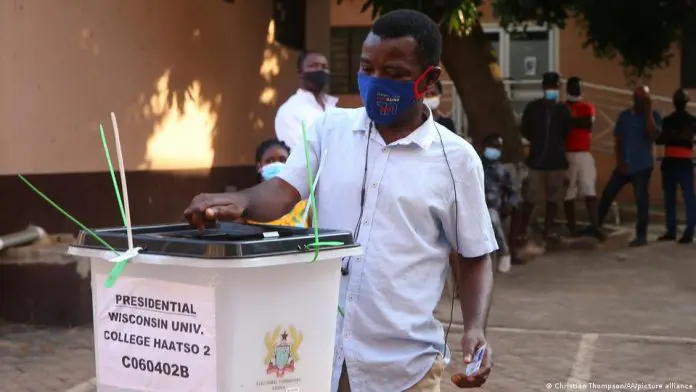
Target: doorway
{"points": [[529, 54], [523, 57]]}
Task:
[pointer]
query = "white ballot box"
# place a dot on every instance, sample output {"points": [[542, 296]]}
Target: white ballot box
{"points": [[233, 308]]}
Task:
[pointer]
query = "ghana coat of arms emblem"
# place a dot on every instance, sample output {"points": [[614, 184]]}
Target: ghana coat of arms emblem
{"points": [[281, 350]]}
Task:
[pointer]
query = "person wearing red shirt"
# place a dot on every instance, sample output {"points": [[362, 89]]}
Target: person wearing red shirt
{"points": [[582, 172]]}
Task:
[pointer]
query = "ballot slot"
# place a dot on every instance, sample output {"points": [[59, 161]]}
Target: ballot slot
{"points": [[221, 240]]}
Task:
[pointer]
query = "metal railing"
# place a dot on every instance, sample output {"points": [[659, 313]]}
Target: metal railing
{"points": [[608, 101]]}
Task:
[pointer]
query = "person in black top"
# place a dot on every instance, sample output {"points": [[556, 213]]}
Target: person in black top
{"points": [[678, 131], [545, 124], [432, 100]]}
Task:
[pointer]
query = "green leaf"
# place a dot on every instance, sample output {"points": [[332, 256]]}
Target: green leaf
{"points": [[640, 32]]}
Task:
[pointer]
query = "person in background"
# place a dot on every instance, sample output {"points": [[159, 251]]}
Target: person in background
{"points": [[678, 131], [545, 124], [582, 172], [501, 195], [308, 102], [634, 133], [270, 161], [432, 100]]}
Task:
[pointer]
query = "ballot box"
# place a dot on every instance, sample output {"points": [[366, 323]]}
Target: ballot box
{"points": [[232, 308]]}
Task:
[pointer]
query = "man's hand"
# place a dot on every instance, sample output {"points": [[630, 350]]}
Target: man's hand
{"points": [[471, 341], [211, 207]]}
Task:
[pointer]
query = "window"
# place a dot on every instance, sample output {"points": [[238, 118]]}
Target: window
{"points": [[346, 45], [688, 60]]}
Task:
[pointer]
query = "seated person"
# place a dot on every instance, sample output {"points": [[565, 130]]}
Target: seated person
{"points": [[270, 160], [501, 194]]}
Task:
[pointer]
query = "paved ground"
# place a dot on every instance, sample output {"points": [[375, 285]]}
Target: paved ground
{"points": [[42, 360], [625, 317], [616, 318]]}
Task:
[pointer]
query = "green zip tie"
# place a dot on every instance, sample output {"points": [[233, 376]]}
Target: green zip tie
{"points": [[62, 211], [119, 199], [313, 205], [312, 202], [116, 272], [118, 268]]}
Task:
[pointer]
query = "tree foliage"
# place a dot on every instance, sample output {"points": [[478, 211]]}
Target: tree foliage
{"points": [[641, 32]]}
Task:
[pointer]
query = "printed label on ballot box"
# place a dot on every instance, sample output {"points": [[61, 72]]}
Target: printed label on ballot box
{"points": [[155, 335]]}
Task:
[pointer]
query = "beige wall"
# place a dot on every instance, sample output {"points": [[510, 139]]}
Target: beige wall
{"points": [[194, 84], [574, 60], [348, 14]]}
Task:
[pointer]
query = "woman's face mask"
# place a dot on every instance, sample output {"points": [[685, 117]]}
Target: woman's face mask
{"points": [[432, 102], [271, 170], [492, 153], [385, 99]]}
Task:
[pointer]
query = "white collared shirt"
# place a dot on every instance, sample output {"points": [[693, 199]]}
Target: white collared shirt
{"points": [[301, 106], [389, 338]]}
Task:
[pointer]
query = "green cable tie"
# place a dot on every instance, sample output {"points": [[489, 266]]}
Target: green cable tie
{"points": [[115, 273], [118, 268], [65, 213], [119, 199], [313, 205], [312, 202]]}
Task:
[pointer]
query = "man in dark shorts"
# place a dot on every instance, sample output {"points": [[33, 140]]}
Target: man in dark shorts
{"points": [[545, 124]]}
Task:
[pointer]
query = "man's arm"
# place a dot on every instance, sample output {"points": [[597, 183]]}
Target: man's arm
{"points": [[468, 229], [653, 124], [585, 122], [276, 197], [618, 143], [567, 121], [475, 284], [269, 200], [526, 123], [585, 116], [288, 127], [667, 130]]}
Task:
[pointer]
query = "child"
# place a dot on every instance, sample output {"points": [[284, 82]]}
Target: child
{"points": [[501, 194], [270, 160]]}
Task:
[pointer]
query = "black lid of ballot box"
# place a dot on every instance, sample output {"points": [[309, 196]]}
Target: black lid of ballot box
{"points": [[225, 240]]}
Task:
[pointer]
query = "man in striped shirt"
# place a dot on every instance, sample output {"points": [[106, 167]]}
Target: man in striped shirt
{"points": [[582, 172]]}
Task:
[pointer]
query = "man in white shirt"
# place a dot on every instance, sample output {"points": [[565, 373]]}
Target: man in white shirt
{"points": [[422, 196], [308, 102]]}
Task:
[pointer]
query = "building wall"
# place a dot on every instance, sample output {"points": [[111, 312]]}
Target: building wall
{"points": [[194, 86], [573, 60]]}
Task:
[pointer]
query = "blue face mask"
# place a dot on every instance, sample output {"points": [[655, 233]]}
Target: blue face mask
{"points": [[551, 95], [491, 153], [271, 170], [386, 99]]}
